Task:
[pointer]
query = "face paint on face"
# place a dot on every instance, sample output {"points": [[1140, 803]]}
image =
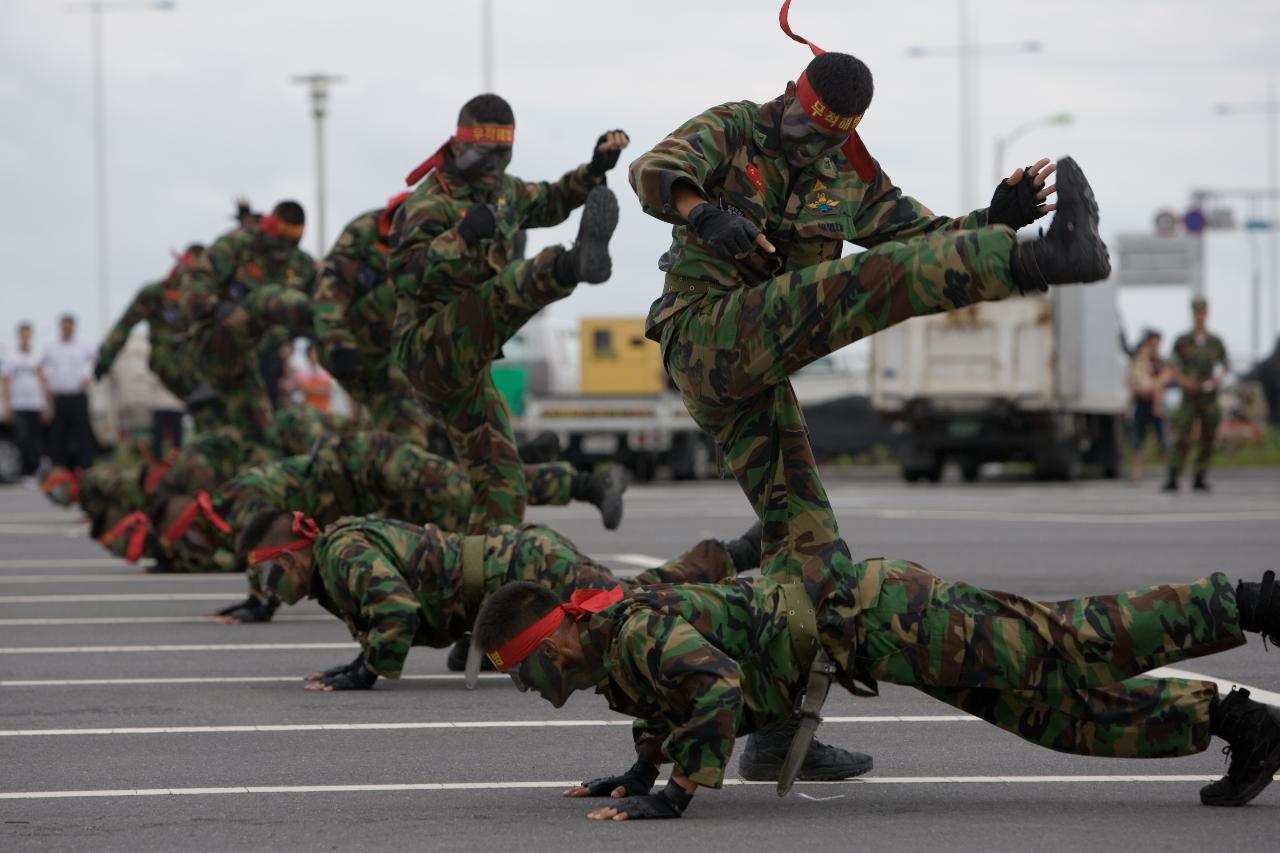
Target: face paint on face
{"points": [[480, 164], [284, 580], [540, 674], [804, 142]]}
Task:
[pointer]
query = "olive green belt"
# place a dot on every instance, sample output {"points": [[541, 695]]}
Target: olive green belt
{"points": [[684, 284], [473, 574], [802, 623]]}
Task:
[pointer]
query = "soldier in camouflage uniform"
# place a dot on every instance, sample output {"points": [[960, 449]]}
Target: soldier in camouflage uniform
{"points": [[1200, 364], [398, 585], [158, 304], [462, 293], [249, 292], [355, 308], [761, 198], [698, 665]]}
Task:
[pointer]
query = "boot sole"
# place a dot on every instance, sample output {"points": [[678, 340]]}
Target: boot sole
{"points": [[599, 219], [770, 772], [1073, 189], [611, 506]]}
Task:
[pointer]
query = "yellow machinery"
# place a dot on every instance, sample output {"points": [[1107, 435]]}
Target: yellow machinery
{"points": [[617, 359]]}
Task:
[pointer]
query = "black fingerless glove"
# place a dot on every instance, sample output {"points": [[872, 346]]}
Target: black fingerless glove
{"points": [[602, 161], [251, 610], [353, 676], [671, 801], [725, 233], [344, 363], [638, 781], [1015, 206], [478, 223]]}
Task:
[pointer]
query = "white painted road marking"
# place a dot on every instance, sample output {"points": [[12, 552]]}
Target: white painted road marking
{"points": [[115, 596], [61, 563], [441, 724], [129, 578], [1224, 686], [211, 647], [564, 783], [1065, 517], [236, 679], [142, 620]]}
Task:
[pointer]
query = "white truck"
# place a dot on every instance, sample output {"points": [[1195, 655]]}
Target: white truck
{"points": [[1037, 379]]}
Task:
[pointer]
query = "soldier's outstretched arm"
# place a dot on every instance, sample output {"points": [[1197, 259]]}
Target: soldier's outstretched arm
{"points": [[887, 215], [119, 334], [202, 280], [365, 582], [687, 158], [342, 272]]}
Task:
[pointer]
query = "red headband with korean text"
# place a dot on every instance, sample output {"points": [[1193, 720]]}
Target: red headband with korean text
{"points": [[485, 134], [135, 526], [582, 604], [819, 113], [304, 528], [201, 506], [274, 226]]}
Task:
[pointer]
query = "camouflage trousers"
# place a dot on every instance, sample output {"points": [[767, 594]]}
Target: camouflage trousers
{"points": [[544, 556], [1066, 675], [445, 351], [730, 355], [384, 392], [227, 356], [1206, 412]]}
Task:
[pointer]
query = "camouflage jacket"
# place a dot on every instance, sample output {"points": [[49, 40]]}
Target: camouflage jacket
{"points": [[732, 154], [236, 264], [1197, 361], [700, 664], [355, 304], [158, 305], [209, 459], [432, 263]]}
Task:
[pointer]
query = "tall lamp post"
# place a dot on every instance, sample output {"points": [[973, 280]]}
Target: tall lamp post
{"points": [[1020, 131], [319, 86], [95, 10], [967, 54], [1271, 108]]}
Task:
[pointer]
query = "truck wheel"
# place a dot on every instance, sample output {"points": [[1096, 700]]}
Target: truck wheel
{"points": [[1058, 462], [911, 475], [691, 458], [969, 471], [930, 468], [10, 461]]}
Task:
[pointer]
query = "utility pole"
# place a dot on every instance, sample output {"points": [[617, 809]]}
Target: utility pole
{"points": [[1271, 108], [967, 54], [102, 209], [486, 46], [319, 84]]}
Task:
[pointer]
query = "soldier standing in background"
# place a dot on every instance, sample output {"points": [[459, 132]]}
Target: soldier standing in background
{"points": [[461, 295], [1200, 364]]}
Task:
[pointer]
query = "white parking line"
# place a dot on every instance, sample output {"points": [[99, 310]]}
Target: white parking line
{"points": [[564, 783], [1224, 686], [235, 679], [114, 596], [129, 578], [212, 647], [140, 620], [63, 563], [441, 724], [1065, 517], [70, 531]]}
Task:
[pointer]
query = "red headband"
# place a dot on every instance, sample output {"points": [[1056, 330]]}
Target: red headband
{"points": [[60, 478], [155, 475], [384, 220], [853, 148], [304, 528], [135, 524], [202, 505], [489, 134], [274, 226], [582, 604]]}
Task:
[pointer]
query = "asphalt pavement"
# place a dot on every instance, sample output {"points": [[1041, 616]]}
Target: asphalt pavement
{"points": [[129, 720]]}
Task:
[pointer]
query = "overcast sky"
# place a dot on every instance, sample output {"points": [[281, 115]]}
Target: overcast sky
{"points": [[201, 108]]}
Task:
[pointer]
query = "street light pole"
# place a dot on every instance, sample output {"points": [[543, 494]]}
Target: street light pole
{"points": [[967, 54], [486, 46], [319, 86], [1020, 131], [102, 209]]}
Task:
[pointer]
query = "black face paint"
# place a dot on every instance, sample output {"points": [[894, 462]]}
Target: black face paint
{"points": [[481, 165], [803, 142]]}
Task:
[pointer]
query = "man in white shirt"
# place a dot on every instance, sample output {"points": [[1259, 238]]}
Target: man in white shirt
{"points": [[67, 367], [26, 400]]}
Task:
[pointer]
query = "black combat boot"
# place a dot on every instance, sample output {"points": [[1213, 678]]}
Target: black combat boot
{"points": [[1252, 733], [1071, 251], [602, 489], [1259, 605], [457, 661], [745, 550], [766, 750], [1200, 484], [1171, 482], [589, 259], [543, 447]]}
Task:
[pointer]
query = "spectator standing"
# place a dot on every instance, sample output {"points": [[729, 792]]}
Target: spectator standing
{"points": [[1200, 366], [26, 399], [67, 368], [1146, 379]]}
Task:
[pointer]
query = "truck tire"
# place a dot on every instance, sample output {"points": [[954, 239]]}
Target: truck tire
{"points": [[10, 461], [969, 471], [692, 457], [1110, 440], [927, 467], [1058, 461]]}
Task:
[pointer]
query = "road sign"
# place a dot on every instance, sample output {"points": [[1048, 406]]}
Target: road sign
{"points": [[1173, 261], [1193, 221], [1166, 222]]}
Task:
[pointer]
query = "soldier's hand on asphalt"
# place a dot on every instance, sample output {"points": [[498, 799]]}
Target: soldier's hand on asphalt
{"points": [[352, 676], [636, 781]]}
